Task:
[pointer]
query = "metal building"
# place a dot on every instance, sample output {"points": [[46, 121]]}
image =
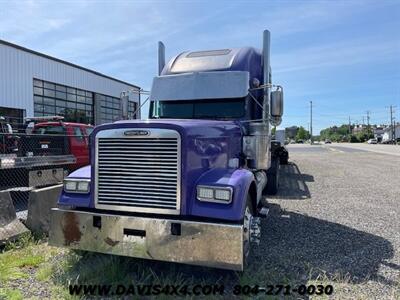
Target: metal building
{"points": [[35, 84]]}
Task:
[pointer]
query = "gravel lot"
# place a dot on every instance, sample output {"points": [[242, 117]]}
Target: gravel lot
{"points": [[337, 217], [334, 221]]}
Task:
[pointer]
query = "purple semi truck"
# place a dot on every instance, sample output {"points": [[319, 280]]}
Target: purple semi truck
{"points": [[185, 185]]}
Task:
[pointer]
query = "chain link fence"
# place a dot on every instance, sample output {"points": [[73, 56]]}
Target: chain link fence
{"points": [[34, 158]]}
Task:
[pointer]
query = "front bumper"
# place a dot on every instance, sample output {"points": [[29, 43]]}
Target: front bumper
{"points": [[197, 243]]}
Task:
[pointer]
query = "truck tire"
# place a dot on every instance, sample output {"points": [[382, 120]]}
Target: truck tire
{"points": [[273, 178], [283, 156], [284, 160]]}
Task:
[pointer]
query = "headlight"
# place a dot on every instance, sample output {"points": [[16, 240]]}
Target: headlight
{"points": [[77, 185], [214, 194]]}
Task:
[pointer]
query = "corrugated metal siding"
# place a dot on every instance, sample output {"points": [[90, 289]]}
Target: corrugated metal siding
{"points": [[18, 68]]}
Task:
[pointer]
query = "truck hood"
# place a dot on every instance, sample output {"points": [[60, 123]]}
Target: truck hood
{"points": [[204, 143], [209, 149], [83, 172], [204, 137]]}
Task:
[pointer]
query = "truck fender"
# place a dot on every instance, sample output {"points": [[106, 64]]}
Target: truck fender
{"points": [[84, 172], [75, 199], [241, 180]]}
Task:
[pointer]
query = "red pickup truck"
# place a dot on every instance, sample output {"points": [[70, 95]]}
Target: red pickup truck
{"points": [[45, 153], [59, 138]]}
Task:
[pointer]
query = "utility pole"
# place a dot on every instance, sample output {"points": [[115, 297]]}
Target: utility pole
{"points": [[349, 126], [311, 137], [392, 123], [368, 128]]}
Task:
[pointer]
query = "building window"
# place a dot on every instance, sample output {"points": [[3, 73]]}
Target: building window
{"points": [[132, 107], [110, 108], [73, 104]]}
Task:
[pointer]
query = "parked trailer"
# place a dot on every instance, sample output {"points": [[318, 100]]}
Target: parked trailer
{"points": [[186, 185]]}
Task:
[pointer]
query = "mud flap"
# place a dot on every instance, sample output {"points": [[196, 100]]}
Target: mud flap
{"points": [[10, 226]]}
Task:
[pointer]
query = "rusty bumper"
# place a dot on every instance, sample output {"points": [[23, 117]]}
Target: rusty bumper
{"points": [[197, 243]]}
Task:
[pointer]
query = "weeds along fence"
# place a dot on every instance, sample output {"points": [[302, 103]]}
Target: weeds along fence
{"points": [[31, 161]]}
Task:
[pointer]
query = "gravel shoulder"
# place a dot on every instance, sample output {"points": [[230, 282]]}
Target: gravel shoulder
{"points": [[338, 213]]}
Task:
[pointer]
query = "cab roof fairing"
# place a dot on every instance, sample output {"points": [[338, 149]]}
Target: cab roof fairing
{"points": [[237, 59], [200, 86]]}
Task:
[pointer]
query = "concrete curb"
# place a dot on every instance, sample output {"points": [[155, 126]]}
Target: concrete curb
{"points": [[10, 226], [41, 201]]}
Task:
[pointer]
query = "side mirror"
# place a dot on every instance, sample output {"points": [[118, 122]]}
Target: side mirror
{"points": [[124, 105], [277, 103]]}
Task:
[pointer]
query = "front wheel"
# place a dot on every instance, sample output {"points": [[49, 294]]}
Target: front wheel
{"points": [[284, 157], [247, 218], [251, 230]]}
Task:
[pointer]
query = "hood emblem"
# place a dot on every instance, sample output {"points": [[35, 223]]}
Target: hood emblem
{"points": [[136, 132]]}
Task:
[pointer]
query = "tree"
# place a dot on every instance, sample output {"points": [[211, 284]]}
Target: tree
{"points": [[302, 134], [340, 134], [362, 136], [354, 139]]}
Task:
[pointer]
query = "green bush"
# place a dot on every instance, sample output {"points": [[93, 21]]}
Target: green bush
{"points": [[354, 139]]}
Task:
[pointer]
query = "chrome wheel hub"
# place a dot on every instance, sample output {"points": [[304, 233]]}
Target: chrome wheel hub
{"points": [[255, 230], [246, 231], [251, 231]]}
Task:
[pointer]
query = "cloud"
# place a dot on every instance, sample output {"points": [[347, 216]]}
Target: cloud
{"points": [[22, 21], [338, 54]]}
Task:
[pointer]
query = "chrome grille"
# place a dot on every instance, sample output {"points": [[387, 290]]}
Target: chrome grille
{"points": [[138, 173]]}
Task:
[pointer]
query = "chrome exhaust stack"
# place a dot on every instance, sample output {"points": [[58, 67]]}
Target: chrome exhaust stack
{"points": [[266, 75], [161, 57], [257, 143]]}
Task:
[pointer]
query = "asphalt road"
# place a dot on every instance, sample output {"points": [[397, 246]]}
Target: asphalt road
{"points": [[379, 148], [336, 218]]}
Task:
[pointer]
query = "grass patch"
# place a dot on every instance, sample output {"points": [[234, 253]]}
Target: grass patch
{"points": [[9, 269], [44, 272], [10, 294], [13, 261], [23, 241], [114, 270], [29, 258], [57, 268]]}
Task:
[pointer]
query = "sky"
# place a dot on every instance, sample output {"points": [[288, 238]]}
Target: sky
{"points": [[344, 56]]}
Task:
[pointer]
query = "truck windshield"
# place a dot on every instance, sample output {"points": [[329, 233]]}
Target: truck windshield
{"points": [[198, 109]]}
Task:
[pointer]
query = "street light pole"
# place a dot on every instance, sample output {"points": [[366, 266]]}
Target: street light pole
{"points": [[311, 135]]}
